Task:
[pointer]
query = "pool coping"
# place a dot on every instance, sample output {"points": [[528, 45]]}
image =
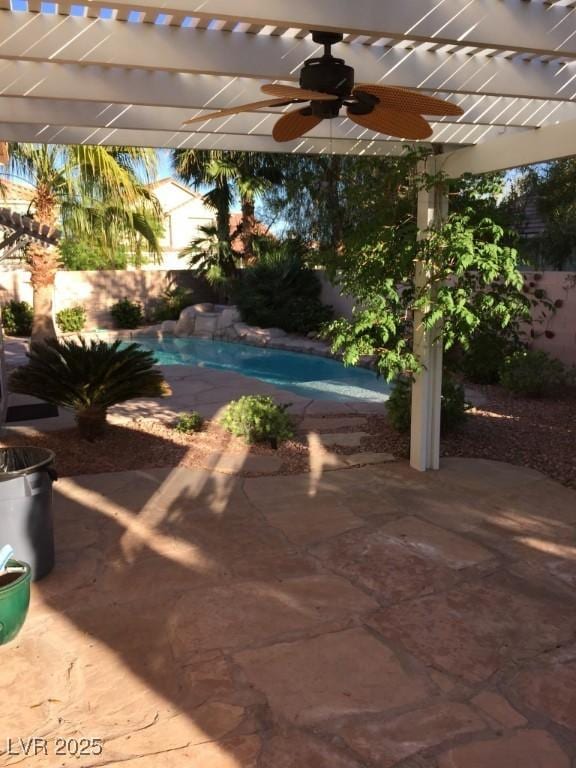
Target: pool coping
{"points": [[303, 345]]}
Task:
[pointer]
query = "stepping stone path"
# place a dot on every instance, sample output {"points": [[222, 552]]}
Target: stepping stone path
{"points": [[245, 464], [330, 423], [344, 439]]}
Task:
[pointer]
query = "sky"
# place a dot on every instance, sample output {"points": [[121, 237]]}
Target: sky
{"points": [[164, 166]]}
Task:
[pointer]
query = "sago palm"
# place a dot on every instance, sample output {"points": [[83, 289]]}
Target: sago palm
{"points": [[88, 378], [92, 192]]}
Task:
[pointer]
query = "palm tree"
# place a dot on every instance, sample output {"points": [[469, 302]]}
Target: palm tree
{"points": [[96, 193], [247, 174], [200, 170], [209, 256]]}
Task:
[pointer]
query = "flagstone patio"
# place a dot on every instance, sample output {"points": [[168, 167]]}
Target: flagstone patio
{"points": [[363, 617]]}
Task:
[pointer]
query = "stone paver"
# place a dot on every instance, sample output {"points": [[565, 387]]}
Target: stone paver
{"points": [[478, 628], [232, 463], [298, 748], [523, 749], [361, 459], [449, 548], [310, 520], [343, 439], [388, 743], [384, 565], [550, 689], [256, 612], [360, 618], [331, 423], [498, 709], [346, 673]]}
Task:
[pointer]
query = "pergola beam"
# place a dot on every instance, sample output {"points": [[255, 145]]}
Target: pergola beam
{"points": [[40, 38], [61, 108], [512, 151], [57, 113], [51, 134], [481, 23]]}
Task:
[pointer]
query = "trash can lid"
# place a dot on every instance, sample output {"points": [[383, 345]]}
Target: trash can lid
{"points": [[23, 460]]}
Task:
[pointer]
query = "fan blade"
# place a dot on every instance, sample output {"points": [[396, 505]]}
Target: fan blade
{"points": [[273, 89], [253, 106], [294, 124], [402, 125], [403, 100]]}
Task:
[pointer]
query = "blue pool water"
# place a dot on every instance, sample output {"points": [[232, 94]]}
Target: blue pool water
{"points": [[306, 375]]}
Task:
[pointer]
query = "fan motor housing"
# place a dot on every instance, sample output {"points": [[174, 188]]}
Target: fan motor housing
{"points": [[328, 75]]}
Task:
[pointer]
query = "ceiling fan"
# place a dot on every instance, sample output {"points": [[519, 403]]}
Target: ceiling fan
{"points": [[327, 83]]}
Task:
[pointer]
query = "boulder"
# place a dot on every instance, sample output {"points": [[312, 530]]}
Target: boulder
{"points": [[206, 324], [168, 327], [186, 322], [273, 333], [205, 307], [229, 316], [241, 329], [151, 331]]}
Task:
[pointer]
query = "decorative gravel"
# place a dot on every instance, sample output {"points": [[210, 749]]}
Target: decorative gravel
{"points": [[540, 434]]}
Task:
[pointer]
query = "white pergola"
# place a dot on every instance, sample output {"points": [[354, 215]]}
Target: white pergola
{"points": [[130, 71]]}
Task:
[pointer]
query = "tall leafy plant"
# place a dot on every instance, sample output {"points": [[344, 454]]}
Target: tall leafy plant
{"points": [[281, 291], [470, 277]]}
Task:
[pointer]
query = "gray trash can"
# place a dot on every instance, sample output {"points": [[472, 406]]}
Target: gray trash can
{"points": [[26, 477]]}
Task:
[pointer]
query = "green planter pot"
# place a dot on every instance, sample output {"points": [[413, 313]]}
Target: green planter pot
{"points": [[14, 601]]}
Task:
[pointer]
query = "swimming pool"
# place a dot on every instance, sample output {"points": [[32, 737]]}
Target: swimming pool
{"points": [[319, 378]]}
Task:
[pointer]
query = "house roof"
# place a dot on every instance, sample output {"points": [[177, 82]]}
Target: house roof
{"points": [[170, 181], [16, 191], [235, 221]]}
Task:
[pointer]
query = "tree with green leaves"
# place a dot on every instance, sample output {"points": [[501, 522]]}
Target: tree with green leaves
{"points": [[337, 202], [552, 188], [472, 278], [94, 193], [209, 256]]}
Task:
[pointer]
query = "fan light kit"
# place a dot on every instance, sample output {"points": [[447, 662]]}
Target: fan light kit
{"points": [[327, 84]]}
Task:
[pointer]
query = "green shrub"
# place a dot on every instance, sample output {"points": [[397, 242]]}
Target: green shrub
{"points": [[72, 319], [17, 318], [453, 407], [88, 377], [79, 254], [189, 422], [258, 419], [482, 362], [398, 405], [279, 291], [532, 373], [127, 314], [170, 304]]}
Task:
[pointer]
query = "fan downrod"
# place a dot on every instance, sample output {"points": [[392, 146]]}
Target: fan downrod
{"points": [[327, 39]]}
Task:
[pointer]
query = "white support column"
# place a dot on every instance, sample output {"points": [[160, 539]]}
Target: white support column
{"points": [[427, 387]]}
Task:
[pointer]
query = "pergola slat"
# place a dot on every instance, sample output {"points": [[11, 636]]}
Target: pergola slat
{"points": [[482, 23], [51, 39]]}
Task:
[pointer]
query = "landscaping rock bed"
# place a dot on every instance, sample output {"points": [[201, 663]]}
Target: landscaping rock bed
{"points": [[540, 434], [537, 434]]}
